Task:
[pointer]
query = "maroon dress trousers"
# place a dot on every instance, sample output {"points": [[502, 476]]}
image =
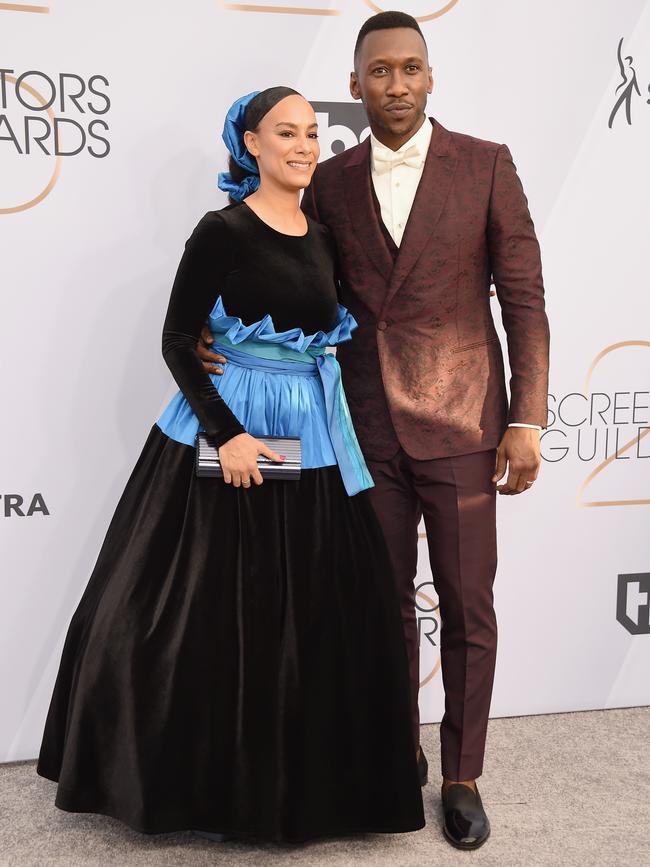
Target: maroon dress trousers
{"points": [[424, 378]]}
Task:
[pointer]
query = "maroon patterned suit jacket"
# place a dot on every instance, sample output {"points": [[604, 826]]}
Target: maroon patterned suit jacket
{"points": [[425, 370]]}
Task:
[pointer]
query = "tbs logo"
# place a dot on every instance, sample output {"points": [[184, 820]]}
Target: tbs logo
{"points": [[341, 125]]}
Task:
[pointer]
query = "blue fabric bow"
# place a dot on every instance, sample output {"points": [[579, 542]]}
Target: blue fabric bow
{"points": [[238, 191], [233, 137]]}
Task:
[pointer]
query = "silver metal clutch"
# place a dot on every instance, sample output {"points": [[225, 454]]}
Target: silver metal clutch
{"points": [[208, 464]]}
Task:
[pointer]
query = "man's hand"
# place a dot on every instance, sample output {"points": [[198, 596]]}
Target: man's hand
{"points": [[210, 359], [519, 451]]}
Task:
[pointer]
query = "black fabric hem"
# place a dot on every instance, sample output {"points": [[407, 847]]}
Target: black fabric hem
{"points": [[188, 824]]}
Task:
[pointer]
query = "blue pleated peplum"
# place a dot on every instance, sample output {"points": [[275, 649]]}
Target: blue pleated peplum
{"points": [[282, 384]]}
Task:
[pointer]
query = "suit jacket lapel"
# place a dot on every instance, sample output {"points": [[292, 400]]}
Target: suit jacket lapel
{"points": [[358, 197], [433, 190]]}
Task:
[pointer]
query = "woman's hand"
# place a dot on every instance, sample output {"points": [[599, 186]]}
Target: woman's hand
{"points": [[238, 459]]}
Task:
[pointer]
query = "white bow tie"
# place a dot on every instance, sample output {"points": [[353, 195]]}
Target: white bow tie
{"points": [[385, 159]]}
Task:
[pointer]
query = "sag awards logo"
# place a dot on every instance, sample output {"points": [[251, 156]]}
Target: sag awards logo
{"points": [[428, 617], [46, 118], [422, 10], [628, 90], [17, 506], [633, 603], [606, 428]]}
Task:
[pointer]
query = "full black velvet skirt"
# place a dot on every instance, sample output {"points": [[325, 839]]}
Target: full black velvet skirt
{"points": [[236, 663]]}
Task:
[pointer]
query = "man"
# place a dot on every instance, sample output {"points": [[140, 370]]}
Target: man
{"points": [[423, 220]]}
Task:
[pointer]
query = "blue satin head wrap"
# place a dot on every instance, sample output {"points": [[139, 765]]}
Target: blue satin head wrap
{"points": [[235, 126], [233, 137]]}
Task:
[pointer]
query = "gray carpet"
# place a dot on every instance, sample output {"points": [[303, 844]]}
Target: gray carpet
{"points": [[560, 790]]}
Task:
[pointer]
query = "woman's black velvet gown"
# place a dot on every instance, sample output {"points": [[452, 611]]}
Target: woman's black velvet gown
{"points": [[236, 663]]}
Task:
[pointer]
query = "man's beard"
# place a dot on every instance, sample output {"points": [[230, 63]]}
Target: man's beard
{"points": [[407, 130]]}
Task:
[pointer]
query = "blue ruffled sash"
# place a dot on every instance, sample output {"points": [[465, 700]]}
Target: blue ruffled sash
{"points": [[290, 353]]}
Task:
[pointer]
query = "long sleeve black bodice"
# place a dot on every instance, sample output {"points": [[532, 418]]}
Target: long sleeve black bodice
{"points": [[257, 271]]}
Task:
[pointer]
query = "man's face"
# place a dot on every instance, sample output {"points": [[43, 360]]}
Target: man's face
{"points": [[393, 77]]}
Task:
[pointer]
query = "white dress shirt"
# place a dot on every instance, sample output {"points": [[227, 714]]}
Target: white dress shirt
{"points": [[395, 177]]}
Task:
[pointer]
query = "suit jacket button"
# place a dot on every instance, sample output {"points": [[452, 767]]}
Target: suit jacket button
{"points": [[382, 326]]}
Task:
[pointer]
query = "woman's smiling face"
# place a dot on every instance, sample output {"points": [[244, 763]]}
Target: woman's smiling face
{"points": [[285, 143]]}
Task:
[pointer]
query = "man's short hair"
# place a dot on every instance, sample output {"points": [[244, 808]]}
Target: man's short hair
{"points": [[385, 21]]}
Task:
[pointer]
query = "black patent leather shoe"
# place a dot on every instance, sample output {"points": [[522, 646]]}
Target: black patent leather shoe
{"points": [[423, 768], [466, 825]]}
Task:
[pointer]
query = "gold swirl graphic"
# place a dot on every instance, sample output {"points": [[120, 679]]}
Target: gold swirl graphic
{"points": [[429, 17], [24, 7], [57, 161], [282, 10], [590, 504], [436, 668]]}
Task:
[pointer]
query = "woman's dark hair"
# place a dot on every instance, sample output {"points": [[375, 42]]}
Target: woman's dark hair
{"points": [[385, 21], [257, 108]]}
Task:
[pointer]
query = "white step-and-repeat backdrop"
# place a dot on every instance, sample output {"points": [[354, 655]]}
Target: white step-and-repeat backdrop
{"points": [[110, 120]]}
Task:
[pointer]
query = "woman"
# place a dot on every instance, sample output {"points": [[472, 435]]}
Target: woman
{"points": [[236, 663]]}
